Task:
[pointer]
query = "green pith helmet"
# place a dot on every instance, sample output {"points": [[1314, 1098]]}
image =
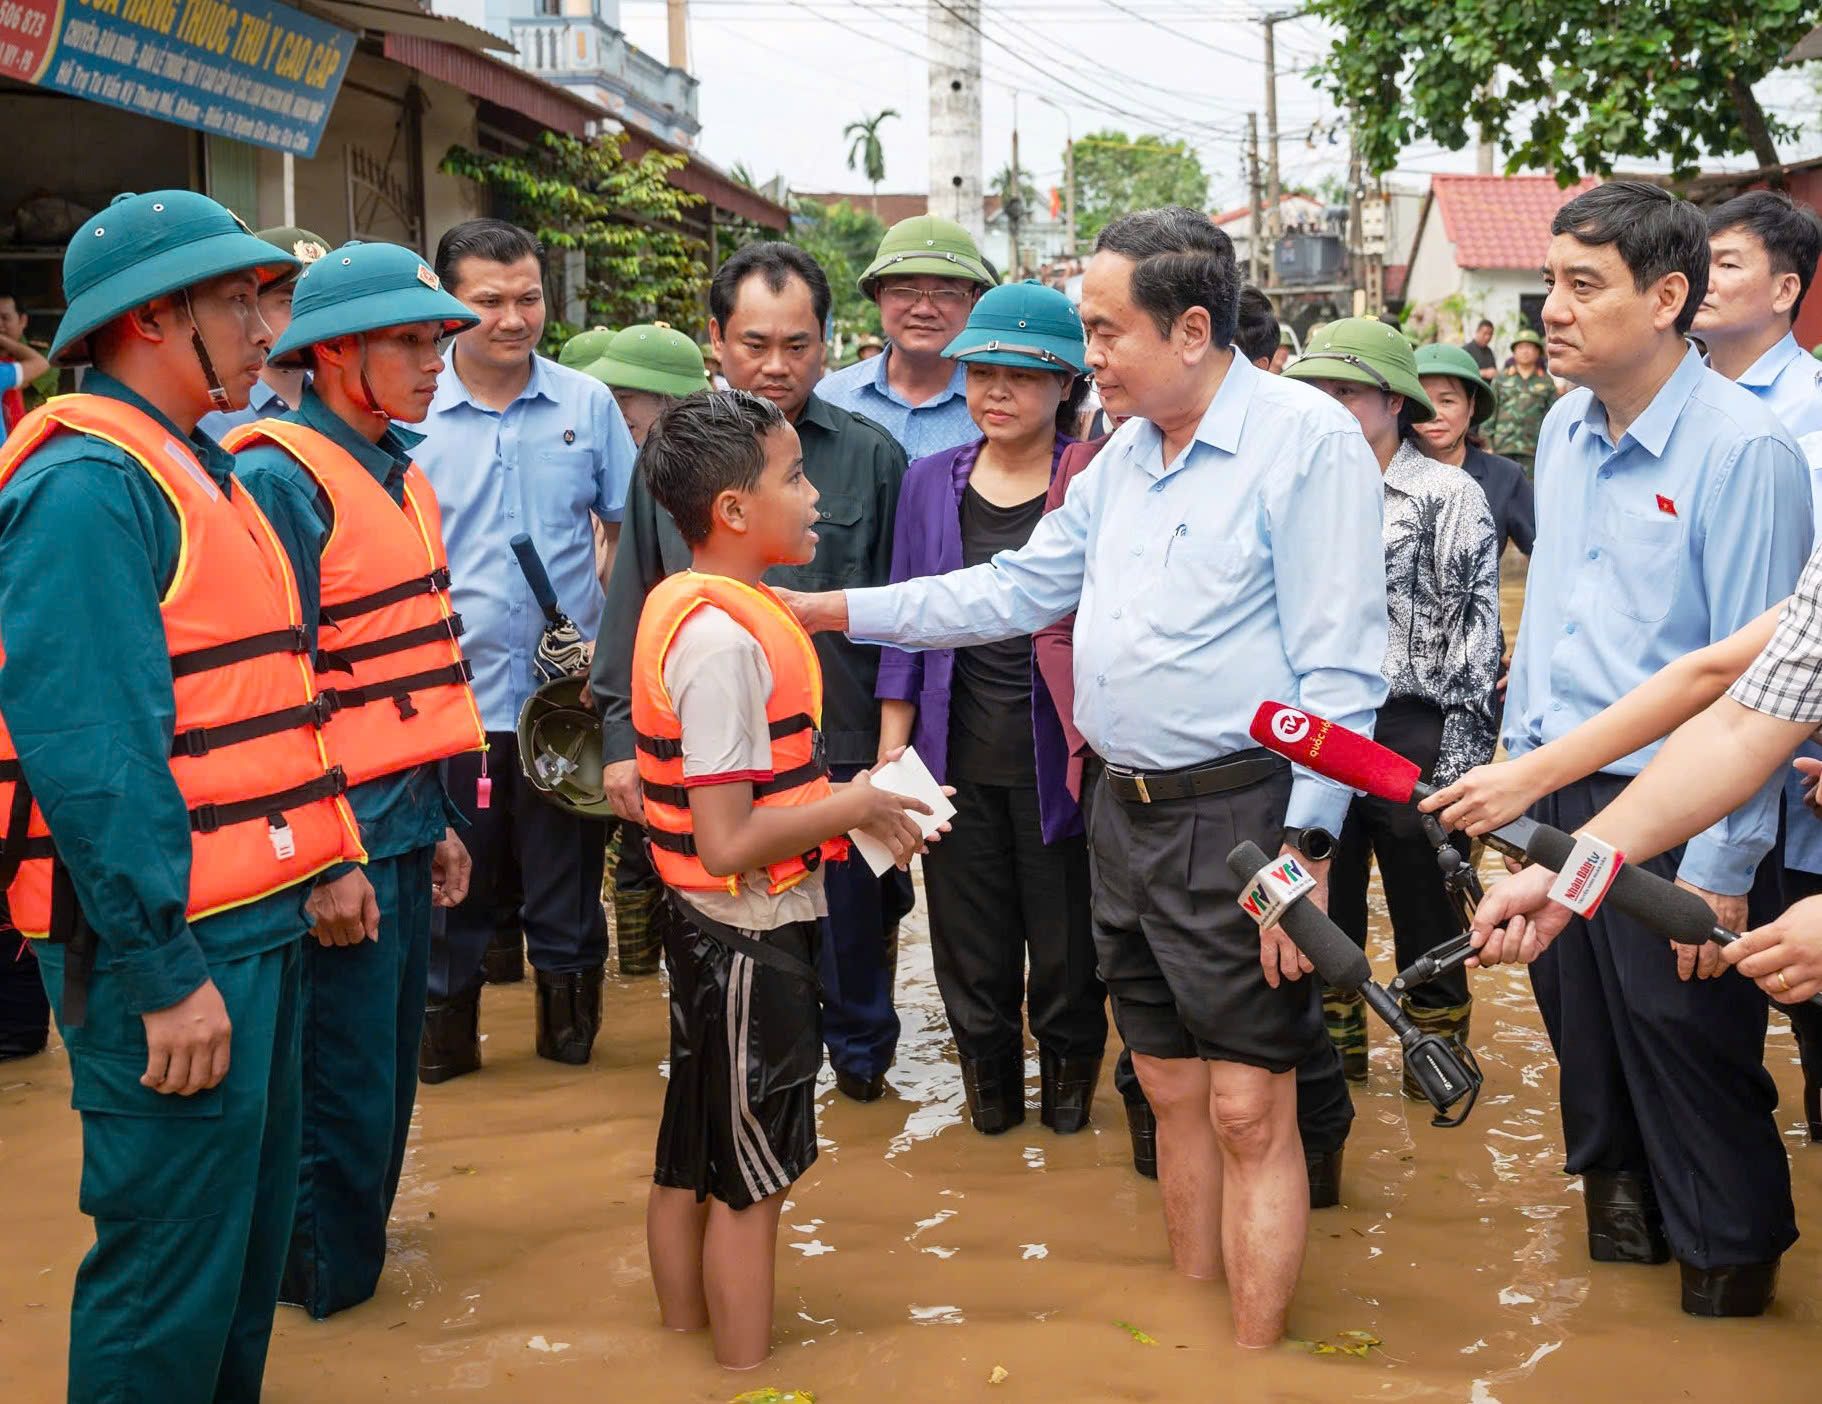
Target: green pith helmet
{"points": [[1528, 335], [560, 749], [1364, 351], [653, 356], [584, 347], [361, 288], [1026, 325], [144, 246], [1440, 359], [926, 245], [300, 243], [1286, 338]]}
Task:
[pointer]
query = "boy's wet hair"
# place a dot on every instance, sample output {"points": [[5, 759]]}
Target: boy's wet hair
{"points": [[701, 446]]}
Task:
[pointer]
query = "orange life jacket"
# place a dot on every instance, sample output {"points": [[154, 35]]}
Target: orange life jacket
{"points": [[265, 804], [406, 700], [800, 771]]}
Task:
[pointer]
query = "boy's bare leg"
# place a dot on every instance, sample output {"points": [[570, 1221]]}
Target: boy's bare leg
{"points": [[739, 1254], [1189, 1161], [674, 1227], [1265, 1213]]}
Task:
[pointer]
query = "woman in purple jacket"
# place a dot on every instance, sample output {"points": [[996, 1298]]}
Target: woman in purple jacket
{"points": [[1010, 882]]}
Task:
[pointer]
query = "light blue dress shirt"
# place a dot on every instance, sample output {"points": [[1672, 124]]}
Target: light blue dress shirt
{"points": [[263, 402], [937, 424], [557, 454], [1788, 382], [1695, 523], [1249, 569]]}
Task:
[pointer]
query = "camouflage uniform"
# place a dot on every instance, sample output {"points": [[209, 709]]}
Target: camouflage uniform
{"points": [[1523, 403]]}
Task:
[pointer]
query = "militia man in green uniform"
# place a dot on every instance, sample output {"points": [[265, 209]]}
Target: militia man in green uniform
{"points": [[1526, 392], [181, 798]]}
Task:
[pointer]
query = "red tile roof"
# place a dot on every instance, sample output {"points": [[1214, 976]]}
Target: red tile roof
{"points": [[1500, 221]]}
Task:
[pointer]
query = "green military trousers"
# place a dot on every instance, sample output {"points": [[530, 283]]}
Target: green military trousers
{"points": [[191, 1196], [363, 1013]]}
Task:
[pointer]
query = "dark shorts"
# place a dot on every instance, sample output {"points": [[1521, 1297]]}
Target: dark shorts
{"points": [[1179, 957], [746, 1046]]}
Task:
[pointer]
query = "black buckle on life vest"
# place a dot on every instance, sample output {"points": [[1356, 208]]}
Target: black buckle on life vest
{"points": [[811, 860], [407, 708], [327, 704]]}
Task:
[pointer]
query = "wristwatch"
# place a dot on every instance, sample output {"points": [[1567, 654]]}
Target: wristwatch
{"points": [[1317, 845]]}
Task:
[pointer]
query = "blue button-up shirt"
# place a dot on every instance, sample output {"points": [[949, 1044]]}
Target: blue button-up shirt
{"points": [[263, 402], [556, 454], [937, 424], [1693, 524], [1250, 568]]}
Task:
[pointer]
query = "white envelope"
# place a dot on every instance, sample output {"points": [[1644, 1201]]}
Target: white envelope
{"points": [[908, 775]]}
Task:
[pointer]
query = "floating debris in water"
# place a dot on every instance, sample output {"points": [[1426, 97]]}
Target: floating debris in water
{"points": [[769, 1395], [548, 1347], [1358, 1344], [1141, 1337], [1000, 1375]]}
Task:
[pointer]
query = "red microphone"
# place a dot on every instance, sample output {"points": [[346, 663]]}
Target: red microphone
{"points": [[1334, 752]]}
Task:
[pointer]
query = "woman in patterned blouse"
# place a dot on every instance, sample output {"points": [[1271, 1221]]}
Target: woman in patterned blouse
{"points": [[1442, 659]]}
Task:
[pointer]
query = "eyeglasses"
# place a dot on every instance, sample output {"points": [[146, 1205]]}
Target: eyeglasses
{"points": [[903, 298]]}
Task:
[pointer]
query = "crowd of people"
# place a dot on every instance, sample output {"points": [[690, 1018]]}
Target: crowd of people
{"points": [[343, 532]]}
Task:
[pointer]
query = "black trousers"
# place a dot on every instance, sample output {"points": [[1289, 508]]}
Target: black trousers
{"points": [[1001, 897], [556, 859], [1422, 915], [25, 1013], [1664, 1076]]}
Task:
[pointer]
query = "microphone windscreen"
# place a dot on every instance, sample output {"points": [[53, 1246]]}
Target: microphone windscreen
{"points": [[1334, 752], [1337, 959], [1669, 910]]}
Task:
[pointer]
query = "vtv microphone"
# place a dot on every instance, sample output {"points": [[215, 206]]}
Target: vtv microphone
{"points": [[1350, 759], [1273, 892]]}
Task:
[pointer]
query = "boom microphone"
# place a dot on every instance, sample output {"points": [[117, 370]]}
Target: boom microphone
{"points": [[1273, 892]]}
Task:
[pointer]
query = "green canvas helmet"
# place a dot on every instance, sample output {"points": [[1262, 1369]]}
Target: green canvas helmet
{"points": [[1364, 351], [585, 347], [363, 287], [1528, 335], [652, 356], [560, 748], [146, 246], [1451, 360], [299, 242], [926, 246]]}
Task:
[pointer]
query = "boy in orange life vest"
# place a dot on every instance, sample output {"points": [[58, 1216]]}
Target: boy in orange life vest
{"points": [[727, 702], [361, 525]]}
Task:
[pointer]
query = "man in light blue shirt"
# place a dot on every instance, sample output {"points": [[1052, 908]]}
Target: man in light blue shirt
{"points": [[1223, 549], [925, 279], [1672, 508], [517, 443]]}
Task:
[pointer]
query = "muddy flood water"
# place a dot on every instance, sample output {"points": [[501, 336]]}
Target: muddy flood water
{"points": [[917, 1256]]}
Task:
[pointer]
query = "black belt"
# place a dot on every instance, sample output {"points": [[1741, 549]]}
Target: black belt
{"points": [[1218, 777]]}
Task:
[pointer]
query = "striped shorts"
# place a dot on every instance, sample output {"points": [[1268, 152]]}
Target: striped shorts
{"points": [[746, 1045]]}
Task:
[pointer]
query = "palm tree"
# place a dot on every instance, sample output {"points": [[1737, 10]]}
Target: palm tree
{"points": [[1002, 186], [864, 149]]}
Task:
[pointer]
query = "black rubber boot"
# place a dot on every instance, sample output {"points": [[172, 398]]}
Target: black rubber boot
{"points": [[1142, 1122], [569, 1015], [1066, 1091], [860, 1089], [1325, 1177], [451, 1045], [995, 1089], [1624, 1222], [1806, 1024], [1743, 1290], [504, 963]]}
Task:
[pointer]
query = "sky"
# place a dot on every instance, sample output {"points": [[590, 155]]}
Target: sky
{"points": [[782, 78]]}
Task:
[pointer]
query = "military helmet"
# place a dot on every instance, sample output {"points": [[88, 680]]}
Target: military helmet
{"points": [[300, 243], [1026, 325], [654, 357], [585, 347], [146, 246], [1528, 335], [1444, 359], [560, 748], [364, 287], [926, 246], [1364, 351]]}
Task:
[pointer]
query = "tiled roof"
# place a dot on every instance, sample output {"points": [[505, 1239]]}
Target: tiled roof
{"points": [[1500, 221]]}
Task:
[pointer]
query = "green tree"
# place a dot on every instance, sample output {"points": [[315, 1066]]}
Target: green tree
{"points": [[1585, 82], [1001, 185], [1115, 173], [843, 240], [625, 217], [864, 148]]}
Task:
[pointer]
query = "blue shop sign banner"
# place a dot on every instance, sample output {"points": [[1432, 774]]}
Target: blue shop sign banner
{"points": [[253, 70]]}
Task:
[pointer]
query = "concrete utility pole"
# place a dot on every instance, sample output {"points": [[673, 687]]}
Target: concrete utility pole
{"points": [[1274, 194], [1356, 258], [1254, 198], [1068, 170], [678, 14], [954, 32], [1015, 200]]}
